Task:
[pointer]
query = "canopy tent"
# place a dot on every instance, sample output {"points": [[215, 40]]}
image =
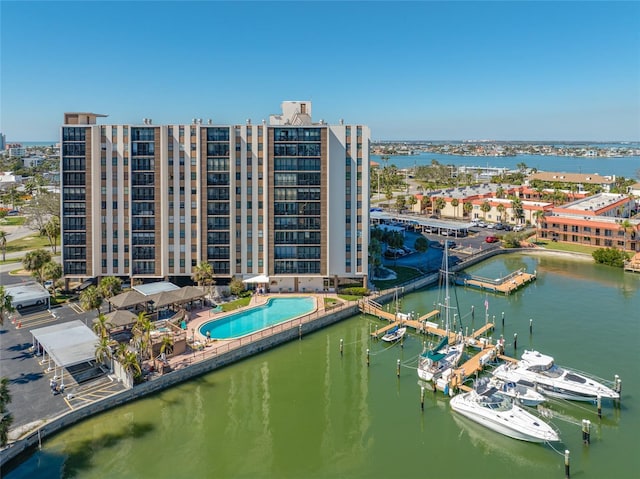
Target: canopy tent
{"points": [[128, 299], [165, 298], [188, 293], [263, 278], [68, 343], [119, 318]]}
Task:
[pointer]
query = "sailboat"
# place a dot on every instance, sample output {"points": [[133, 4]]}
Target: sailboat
{"points": [[441, 360], [394, 334]]}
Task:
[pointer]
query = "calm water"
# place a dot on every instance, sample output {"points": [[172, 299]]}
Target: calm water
{"points": [[624, 166], [275, 311], [303, 411]]}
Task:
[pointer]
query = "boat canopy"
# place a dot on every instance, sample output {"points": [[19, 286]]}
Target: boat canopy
{"points": [[433, 354]]}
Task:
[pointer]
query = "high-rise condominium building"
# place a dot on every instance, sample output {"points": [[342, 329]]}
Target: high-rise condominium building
{"points": [[287, 199]]}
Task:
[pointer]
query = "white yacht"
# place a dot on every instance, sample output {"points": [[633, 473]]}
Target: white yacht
{"points": [[502, 415], [552, 380], [522, 392]]}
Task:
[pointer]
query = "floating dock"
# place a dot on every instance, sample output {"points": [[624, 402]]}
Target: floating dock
{"points": [[505, 285]]}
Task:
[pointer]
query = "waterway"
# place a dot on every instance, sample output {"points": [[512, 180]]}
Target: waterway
{"points": [[304, 411], [626, 166]]}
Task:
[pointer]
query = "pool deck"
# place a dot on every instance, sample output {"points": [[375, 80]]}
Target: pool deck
{"points": [[200, 316]]}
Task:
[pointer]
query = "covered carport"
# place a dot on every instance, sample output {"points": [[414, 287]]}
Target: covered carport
{"points": [[67, 345]]}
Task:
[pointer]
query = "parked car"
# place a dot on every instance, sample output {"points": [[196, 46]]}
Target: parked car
{"points": [[450, 244], [491, 239], [491, 226], [518, 228]]}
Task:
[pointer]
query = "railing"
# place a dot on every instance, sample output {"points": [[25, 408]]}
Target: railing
{"points": [[210, 352]]}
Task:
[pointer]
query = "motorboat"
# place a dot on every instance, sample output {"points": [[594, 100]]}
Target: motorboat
{"points": [[499, 413], [553, 380], [442, 359], [522, 392], [394, 334]]}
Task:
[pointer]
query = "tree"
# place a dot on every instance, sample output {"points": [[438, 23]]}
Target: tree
{"points": [[425, 203], [142, 330], [109, 287], [412, 201], [485, 207], [103, 349], [41, 209], [52, 271], [610, 256], [455, 202], [401, 202], [500, 192], [539, 216], [467, 208], [3, 244], [626, 227], [375, 253], [6, 418], [91, 298], [517, 208], [167, 345], [421, 245], [6, 305], [34, 262], [51, 230], [501, 209], [439, 204], [130, 363], [236, 286], [203, 275], [101, 326]]}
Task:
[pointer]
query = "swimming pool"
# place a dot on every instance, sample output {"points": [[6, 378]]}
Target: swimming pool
{"points": [[276, 310]]}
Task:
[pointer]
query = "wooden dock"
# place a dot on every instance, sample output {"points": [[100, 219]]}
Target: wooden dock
{"points": [[422, 324], [506, 285], [474, 364]]}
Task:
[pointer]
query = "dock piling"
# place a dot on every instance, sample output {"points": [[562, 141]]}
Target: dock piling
{"points": [[586, 431], [599, 406], [503, 319], [530, 326], [422, 398], [341, 347], [367, 357], [398, 368], [515, 341], [567, 473]]}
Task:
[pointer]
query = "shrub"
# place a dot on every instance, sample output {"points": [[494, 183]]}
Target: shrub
{"points": [[610, 256], [354, 291]]}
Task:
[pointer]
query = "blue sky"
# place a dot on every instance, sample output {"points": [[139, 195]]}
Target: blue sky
{"points": [[410, 70]]}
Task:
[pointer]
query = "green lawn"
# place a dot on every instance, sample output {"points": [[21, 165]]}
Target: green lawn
{"points": [[34, 241], [403, 273], [238, 303], [12, 221], [558, 246]]}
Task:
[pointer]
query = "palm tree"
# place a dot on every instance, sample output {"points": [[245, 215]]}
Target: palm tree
{"points": [[167, 345], [6, 418], [6, 305], [103, 349], [517, 208], [34, 262], [627, 227], [109, 287], [439, 204], [499, 192], [425, 203], [538, 215], [52, 231], [130, 363], [203, 275], [142, 330], [3, 244], [91, 298], [485, 207], [101, 326], [467, 208], [455, 202], [52, 271], [501, 209]]}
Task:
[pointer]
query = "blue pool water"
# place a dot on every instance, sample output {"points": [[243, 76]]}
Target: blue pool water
{"points": [[275, 311]]}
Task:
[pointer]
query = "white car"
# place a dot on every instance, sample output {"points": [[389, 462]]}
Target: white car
{"points": [[518, 228]]}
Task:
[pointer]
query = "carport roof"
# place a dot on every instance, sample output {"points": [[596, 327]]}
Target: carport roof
{"points": [[68, 343]]}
